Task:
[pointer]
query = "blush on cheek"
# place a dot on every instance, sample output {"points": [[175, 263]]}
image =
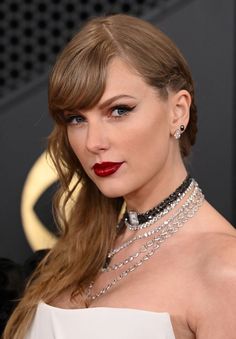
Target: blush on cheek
{"points": [[75, 145]]}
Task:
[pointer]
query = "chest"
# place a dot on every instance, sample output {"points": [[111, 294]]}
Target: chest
{"points": [[162, 284]]}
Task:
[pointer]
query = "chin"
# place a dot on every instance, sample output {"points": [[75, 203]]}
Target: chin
{"points": [[111, 191], [111, 194]]}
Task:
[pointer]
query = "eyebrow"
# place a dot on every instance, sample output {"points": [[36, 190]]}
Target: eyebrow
{"points": [[110, 100]]}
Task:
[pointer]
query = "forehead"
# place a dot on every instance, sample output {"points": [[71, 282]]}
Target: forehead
{"points": [[122, 78]]}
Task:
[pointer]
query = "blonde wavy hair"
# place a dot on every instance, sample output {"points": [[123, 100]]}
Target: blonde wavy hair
{"points": [[78, 81]]}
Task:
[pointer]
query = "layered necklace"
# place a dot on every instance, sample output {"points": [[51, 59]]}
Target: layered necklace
{"points": [[154, 237], [136, 221]]}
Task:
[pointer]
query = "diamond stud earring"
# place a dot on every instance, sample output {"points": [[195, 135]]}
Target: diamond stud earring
{"points": [[178, 132]]}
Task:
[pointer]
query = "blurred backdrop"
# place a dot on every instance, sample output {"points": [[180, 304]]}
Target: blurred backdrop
{"points": [[32, 32]]}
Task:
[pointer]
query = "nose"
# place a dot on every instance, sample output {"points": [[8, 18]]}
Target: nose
{"points": [[97, 137]]}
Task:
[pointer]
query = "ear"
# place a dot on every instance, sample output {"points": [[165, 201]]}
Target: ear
{"points": [[180, 104]]}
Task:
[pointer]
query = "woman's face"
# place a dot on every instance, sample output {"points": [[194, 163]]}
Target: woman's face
{"points": [[124, 143]]}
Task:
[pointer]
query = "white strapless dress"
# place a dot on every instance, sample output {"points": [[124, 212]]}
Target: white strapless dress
{"points": [[99, 323]]}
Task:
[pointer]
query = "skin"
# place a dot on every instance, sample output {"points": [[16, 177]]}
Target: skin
{"points": [[193, 274], [142, 139]]}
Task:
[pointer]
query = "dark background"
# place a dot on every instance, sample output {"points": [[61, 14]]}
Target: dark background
{"points": [[32, 32]]}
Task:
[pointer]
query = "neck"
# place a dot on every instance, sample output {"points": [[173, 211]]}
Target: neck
{"points": [[155, 191]]}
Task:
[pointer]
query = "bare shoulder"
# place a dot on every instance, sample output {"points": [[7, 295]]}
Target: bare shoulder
{"points": [[215, 298], [219, 242], [218, 247], [220, 258]]}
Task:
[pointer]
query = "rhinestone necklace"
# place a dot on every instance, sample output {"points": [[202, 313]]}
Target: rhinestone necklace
{"points": [[135, 221], [163, 212], [195, 196], [155, 230], [187, 213]]}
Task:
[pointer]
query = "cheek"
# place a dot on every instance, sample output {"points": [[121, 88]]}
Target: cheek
{"points": [[76, 143], [148, 142]]}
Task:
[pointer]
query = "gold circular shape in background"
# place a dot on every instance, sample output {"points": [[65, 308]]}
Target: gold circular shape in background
{"points": [[41, 176]]}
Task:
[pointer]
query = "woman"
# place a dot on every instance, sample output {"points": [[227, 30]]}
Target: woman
{"points": [[122, 98]]}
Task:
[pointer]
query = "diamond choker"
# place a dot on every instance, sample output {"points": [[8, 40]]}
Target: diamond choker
{"points": [[135, 221]]}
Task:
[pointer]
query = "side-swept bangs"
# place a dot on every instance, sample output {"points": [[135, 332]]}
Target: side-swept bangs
{"points": [[78, 78]]}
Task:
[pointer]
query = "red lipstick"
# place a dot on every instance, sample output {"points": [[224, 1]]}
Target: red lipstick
{"points": [[106, 168]]}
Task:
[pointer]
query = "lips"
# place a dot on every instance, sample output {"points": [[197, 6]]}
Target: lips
{"points": [[106, 168]]}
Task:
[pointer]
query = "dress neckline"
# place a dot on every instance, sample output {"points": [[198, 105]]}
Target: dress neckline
{"points": [[112, 309], [55, 322]]}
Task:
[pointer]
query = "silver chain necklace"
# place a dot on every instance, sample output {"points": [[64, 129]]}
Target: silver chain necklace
{"points": [[172, 220], [160, 214], [155, 230], [187, 212]]}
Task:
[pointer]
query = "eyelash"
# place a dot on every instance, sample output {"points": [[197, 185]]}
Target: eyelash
{"points": [[69, 119], [126, 108]]}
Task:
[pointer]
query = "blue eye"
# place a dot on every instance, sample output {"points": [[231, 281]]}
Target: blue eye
{"points": [[121, 110], [74, 119]]}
